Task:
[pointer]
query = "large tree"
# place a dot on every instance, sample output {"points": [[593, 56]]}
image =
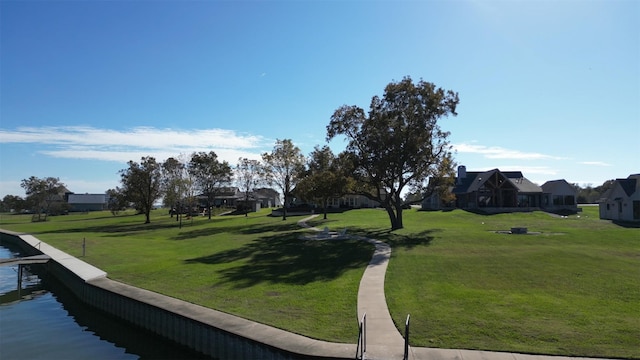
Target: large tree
{"points": [[283, 167], [210, 175], [142, 184], [248, 175], [399, 143], [178, 186], [326, 177], [42, 193]]}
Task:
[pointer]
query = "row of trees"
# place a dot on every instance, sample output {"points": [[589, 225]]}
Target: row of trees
{"points": [[178, 181]]}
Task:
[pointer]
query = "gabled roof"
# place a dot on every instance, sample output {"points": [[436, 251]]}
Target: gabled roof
{"points": [[630, 185], [475, 179], [554, 186]]}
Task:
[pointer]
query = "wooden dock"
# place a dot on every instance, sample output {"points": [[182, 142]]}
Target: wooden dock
{"points": [[36, 259]]}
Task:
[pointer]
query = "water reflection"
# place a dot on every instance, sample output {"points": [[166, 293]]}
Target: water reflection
{"points": [[43, 320]]}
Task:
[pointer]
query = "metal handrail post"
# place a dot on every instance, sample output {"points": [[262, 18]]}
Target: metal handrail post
{"points": [[361, 347], [406, 338], [364, 332]]}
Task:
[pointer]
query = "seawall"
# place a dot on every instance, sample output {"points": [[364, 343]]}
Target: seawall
{"points": [[207, 331]]}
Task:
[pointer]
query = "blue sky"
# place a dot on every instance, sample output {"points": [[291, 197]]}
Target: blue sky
{"points": [[551, 88]]}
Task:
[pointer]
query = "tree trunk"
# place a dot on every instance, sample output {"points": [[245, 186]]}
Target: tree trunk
{"points": [[147, 214], [399, 224], [395, 216], [324, 208], [284, 209], [209, 207]]}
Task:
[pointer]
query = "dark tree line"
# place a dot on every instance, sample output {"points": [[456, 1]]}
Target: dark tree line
{"points": [[590, 194]]}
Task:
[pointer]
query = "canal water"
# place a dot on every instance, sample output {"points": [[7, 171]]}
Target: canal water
{"points": [[43, 320]]}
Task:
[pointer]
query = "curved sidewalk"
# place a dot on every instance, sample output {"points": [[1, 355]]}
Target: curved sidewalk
{"points": [[384, 341]]}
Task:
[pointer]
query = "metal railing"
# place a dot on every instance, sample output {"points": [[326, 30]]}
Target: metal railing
{"points": [[406, 339], [361, 348]]}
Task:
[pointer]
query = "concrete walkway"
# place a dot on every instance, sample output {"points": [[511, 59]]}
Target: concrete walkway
{"points": [[384, 341]]}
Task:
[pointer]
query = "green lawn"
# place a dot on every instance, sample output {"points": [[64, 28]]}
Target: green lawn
{"points": [[571, 289]]}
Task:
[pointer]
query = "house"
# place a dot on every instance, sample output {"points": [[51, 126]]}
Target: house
{"points": [[559, 196], [352, 201], [622, 202], [496, 190], [232, 197], [87, 202], [267, 197], [258, 199]]}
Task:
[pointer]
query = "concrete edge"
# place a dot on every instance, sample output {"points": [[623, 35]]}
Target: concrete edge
{"points": [[258, 332], [276, 338]]}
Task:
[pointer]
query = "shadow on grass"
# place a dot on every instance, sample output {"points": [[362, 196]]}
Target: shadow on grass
{"points": [[626, 224], [238, 228], [284, 258], [118, 229], [395, 240]]}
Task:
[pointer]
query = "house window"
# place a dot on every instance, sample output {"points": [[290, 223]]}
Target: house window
{"points": [[636, 210], [569, 200], [558, 200]]}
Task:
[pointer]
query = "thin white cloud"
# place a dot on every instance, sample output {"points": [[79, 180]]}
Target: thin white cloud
{"points": [[496, 152], [79, 142], [595, 163]]}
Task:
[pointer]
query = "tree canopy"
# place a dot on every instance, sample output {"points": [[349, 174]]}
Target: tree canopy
{"points": [[142, 184], [210, 175], [399, 143], [42, 193], [326, 177], [283, 167], [248, 175]]}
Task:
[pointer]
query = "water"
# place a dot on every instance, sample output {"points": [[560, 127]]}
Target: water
{"points": [[43, 320]]}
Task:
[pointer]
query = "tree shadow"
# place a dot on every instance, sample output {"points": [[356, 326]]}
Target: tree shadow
{"points": [[238, 228], [396, 240], [117, 229], [284, 258]]}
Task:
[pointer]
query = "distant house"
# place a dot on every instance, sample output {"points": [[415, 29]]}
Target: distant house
{"points": [[622, 202], [267, 197], [495, 190], [87, 202], [258, 199], [559, 196], [232, 197], [352, 201], [505, 191]]}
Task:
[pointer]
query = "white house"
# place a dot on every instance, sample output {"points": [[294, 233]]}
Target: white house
{"points": [[622, 203], [559, 195]]}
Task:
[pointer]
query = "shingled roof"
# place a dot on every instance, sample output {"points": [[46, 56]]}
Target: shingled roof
{"points": [[475, 179]]}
